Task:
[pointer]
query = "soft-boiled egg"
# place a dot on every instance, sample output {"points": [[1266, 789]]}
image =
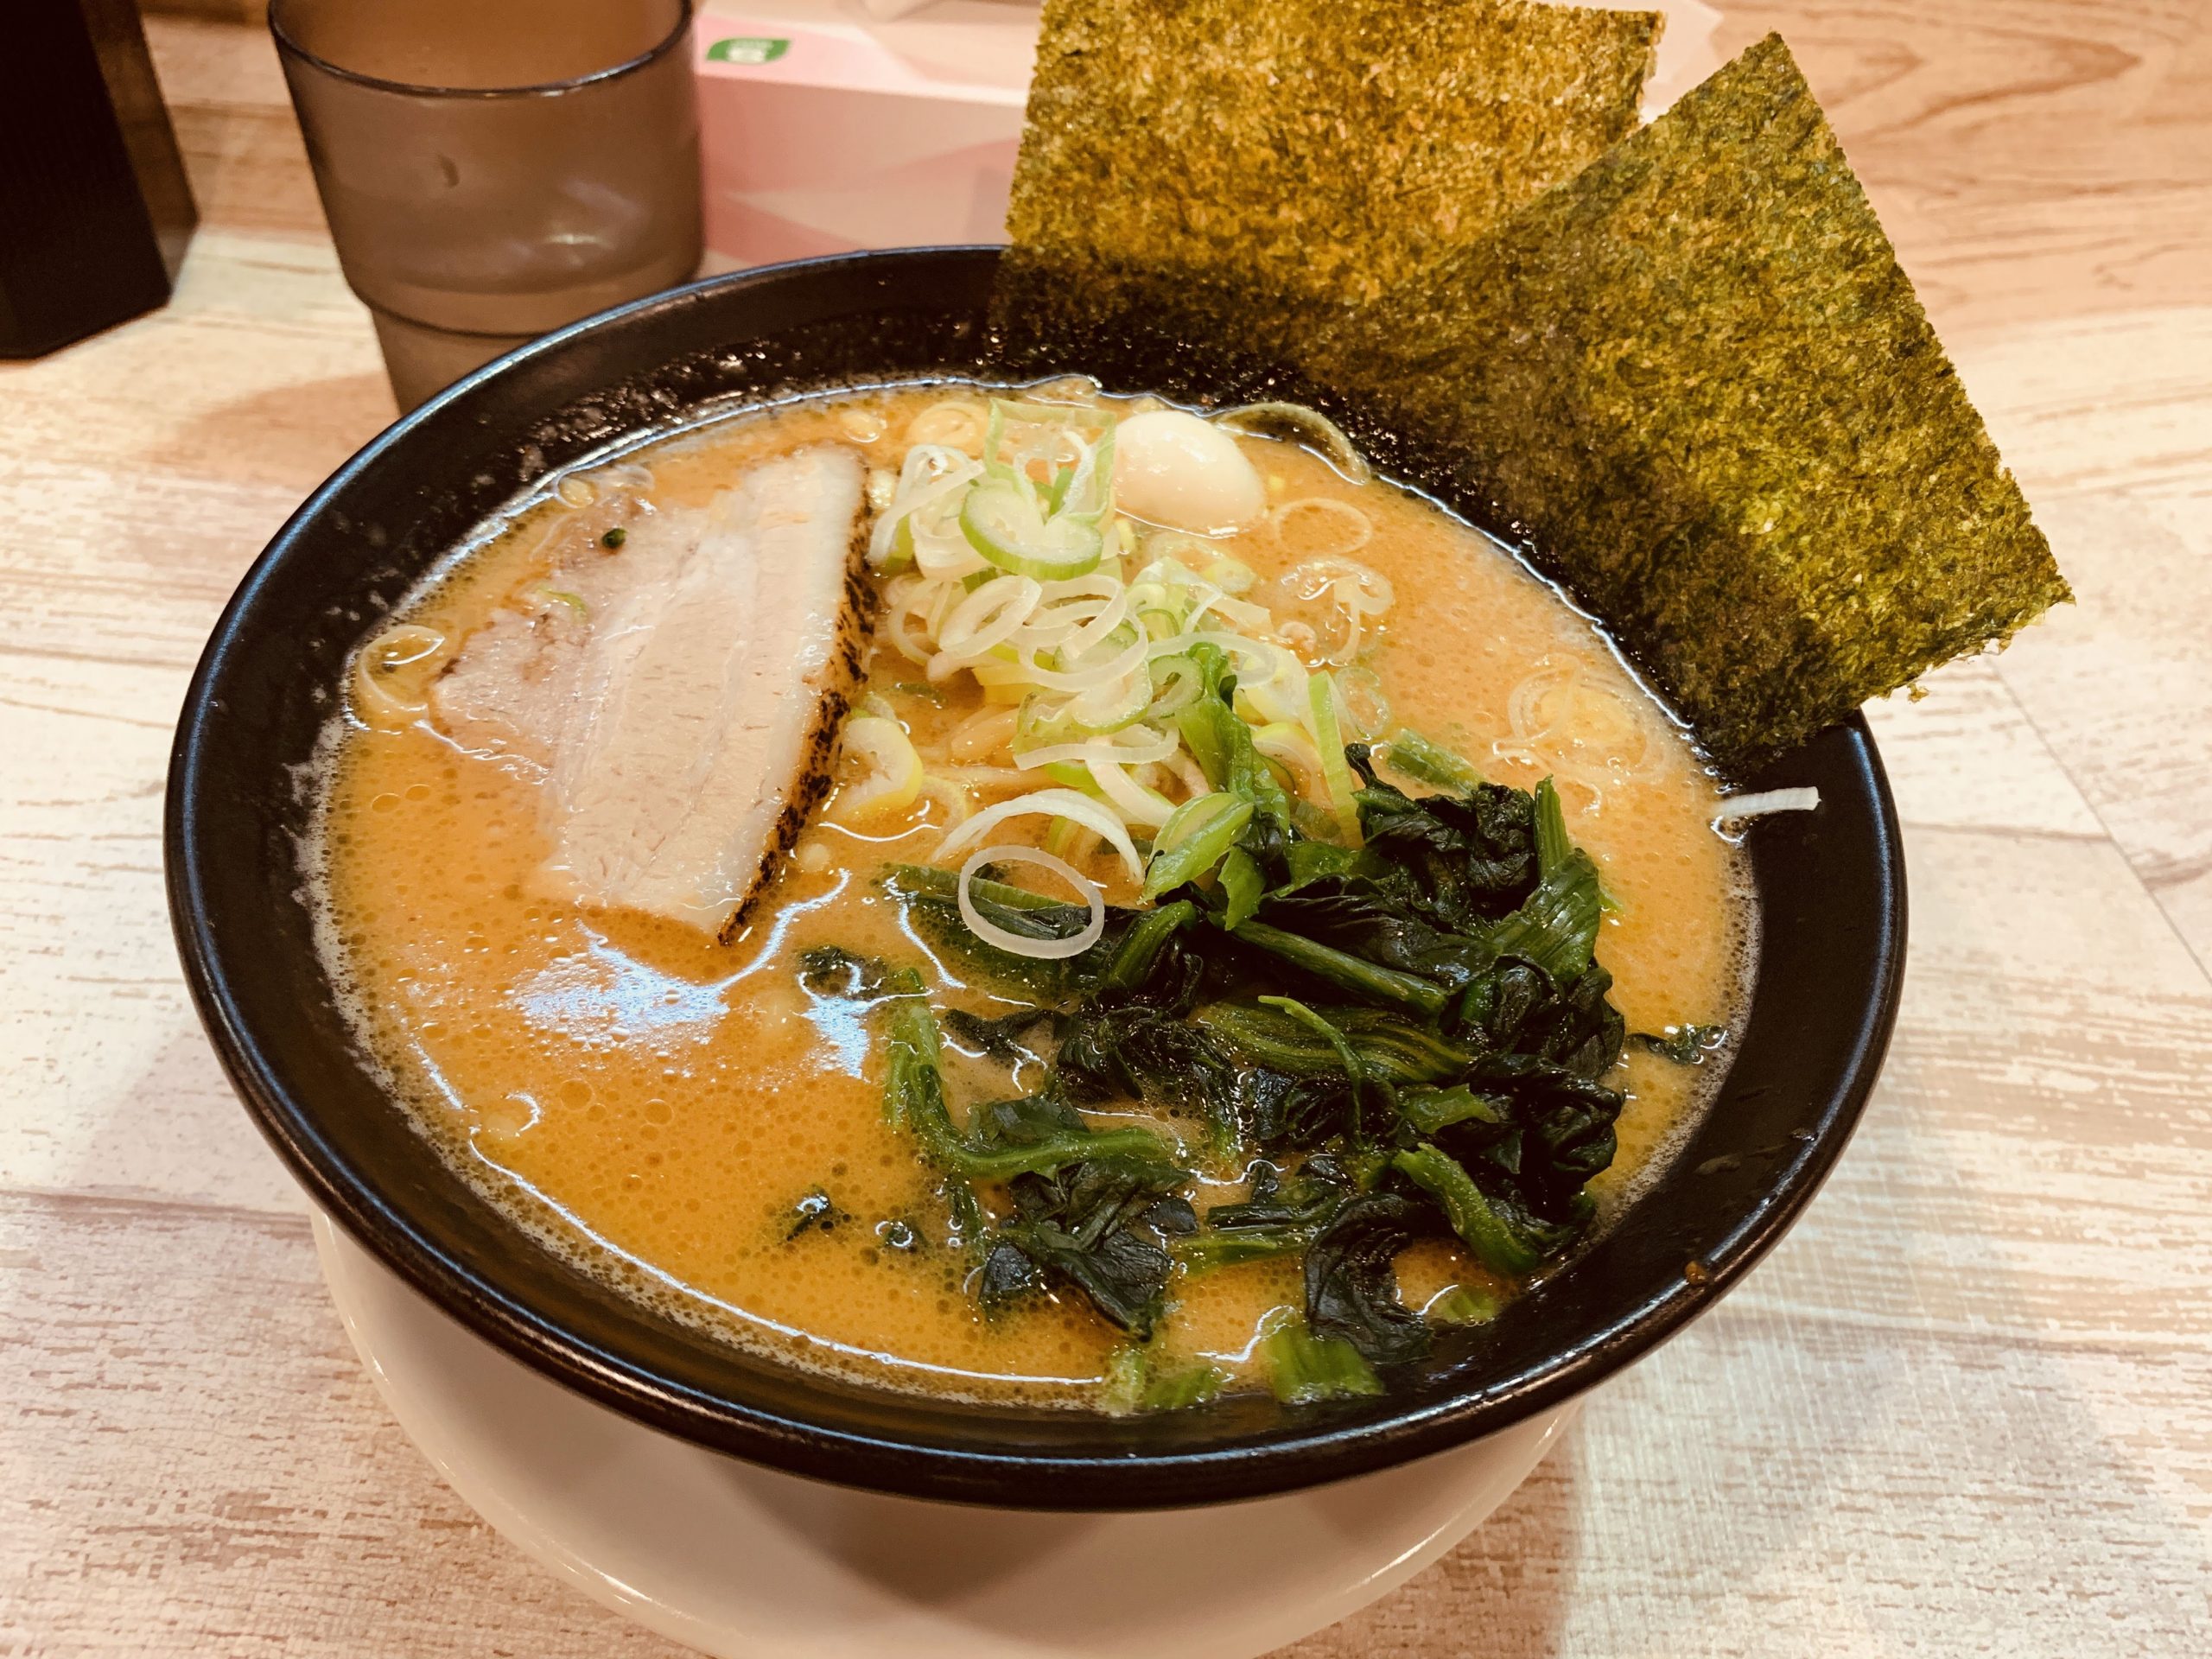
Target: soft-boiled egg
{"points": [[1175, 470]]}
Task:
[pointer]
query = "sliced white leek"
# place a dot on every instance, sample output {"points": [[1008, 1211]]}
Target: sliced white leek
{"points": [[931, 475], [1005, 524], [1131, 798], [1085, 675], [1021, 944], [959, 804], [982, 621], [1336, 774], [1072, 804], [890, 780]]}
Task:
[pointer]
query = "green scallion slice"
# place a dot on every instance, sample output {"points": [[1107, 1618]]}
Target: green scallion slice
{"points": [[1002, 522]]}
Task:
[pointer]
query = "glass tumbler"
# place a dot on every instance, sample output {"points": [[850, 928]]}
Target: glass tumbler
{"points": [[493, 168]]}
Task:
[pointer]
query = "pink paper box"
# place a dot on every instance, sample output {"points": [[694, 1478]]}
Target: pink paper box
{"points": [[823, 129]]}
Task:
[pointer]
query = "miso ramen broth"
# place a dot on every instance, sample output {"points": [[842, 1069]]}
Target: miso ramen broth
{"points": [[668, 1087]]}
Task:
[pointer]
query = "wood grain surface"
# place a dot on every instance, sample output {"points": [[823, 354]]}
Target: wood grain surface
{"points": [[1966, 1408]]}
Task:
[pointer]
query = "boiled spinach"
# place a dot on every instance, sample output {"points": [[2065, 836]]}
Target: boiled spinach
{"points": [[1413, 1033], [1351, 1284], [1097, 1226]]}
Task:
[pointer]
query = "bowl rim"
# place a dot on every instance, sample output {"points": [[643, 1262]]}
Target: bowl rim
{"points": [[966, 1474]]}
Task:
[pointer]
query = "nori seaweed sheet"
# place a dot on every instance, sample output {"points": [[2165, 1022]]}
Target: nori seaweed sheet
{"points": [[1308, 155], [1691, 380], [1695, 379]]}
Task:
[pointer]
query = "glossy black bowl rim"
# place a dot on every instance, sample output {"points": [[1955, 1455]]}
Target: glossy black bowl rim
{"points": [[967, 1473]]}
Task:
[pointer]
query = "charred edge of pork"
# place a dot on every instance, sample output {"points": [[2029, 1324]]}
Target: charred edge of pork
{"points": [[841, 676]]}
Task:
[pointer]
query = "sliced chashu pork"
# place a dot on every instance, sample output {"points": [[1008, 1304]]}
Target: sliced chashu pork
{"points": [[681, 698]]}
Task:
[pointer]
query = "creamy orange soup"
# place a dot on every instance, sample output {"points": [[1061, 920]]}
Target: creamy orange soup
{"points": [[666, 1108]]}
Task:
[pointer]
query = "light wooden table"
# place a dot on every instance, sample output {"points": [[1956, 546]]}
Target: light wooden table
{"points": [[1965, 1409]]}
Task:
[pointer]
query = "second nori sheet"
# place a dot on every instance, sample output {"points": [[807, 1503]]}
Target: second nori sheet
{"points": [[1696, 380]]}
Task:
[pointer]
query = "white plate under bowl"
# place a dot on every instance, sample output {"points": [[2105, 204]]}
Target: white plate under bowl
{"points": [[747, 1563]]}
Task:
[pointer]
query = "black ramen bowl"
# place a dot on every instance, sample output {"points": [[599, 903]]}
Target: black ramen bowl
{"points": [[1831, 884]]}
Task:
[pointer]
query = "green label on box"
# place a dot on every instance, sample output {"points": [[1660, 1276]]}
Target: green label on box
{"points": [[747, 49]]}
